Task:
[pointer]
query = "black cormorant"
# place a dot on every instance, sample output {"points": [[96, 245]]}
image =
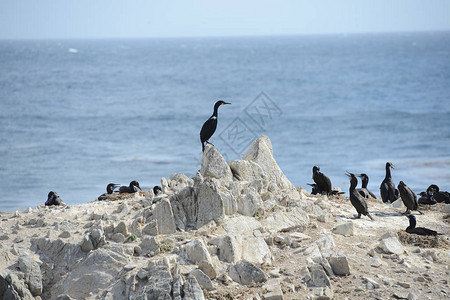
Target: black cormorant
{"points": [[322, 181], [52, 199], [209, 127], [426, 198], [439, 196], [358, 202], [157, 189], [132, 188], [388, 191], [408, 197], [364, 191], [418, 230], [109, 190]]}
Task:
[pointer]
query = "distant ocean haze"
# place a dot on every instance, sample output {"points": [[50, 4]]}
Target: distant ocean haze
{"points": [[76, 115]]}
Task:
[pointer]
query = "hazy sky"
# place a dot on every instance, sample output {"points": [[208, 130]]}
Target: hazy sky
{"points": [[174, 18]]}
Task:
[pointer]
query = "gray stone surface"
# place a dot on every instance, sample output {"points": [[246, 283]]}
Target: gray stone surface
{"points": [[246, 273], [340, 265], [272, 290], [391, 245], [192, 290], [203, 280], [345, 229], [164, 217], [214, 165], [32, 272]]}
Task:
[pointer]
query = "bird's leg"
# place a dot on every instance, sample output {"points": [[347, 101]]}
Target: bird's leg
{"points": [[210, 143], [420, 212], [359, 215], [406, 212], [370, 216]]}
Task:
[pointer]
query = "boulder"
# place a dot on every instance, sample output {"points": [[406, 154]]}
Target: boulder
{"points": [[159, 284], [318, 277], [246, 273], [149, 245], [296, 219], [192, 290], [164, 217], [177, 287], [391, 245], [272, 290], [121, 228], [203, 280], [345, 229], [196, 251], [340, 265], [214, 165], [32, 272], [210, 205]]}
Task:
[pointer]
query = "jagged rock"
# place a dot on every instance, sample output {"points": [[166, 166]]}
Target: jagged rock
{"points": [[286, 221], [258, 164], [228, 249], [159, 284], [246, 273], [17, 289], [325, 265], [118, 238], [192, 290], [295, 237], [151, 228], [148, 245], [207, 268], [32, 272], [177, 182], [137, 226], [345, 229], [203, 280], [340, 265], [3, 286], [377, 262], [214, 165], [58, 251], [250, 203], [177, 287], [272, 290], [210, 204], [185, 208], [318, 277], [121, 228], [370, 283], [196, 251], [391, 245], [164, 217], [326, 244]]}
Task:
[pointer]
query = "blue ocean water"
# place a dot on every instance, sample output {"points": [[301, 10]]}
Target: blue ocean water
{"points": [[76, 115]]}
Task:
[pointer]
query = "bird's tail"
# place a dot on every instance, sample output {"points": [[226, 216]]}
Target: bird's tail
{"points": [[370, 217]]}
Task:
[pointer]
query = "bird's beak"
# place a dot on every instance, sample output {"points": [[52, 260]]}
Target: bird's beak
{"points": [[139, 188], [226, 103], [348, 173]]}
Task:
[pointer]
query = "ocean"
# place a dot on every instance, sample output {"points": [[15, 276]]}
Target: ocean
{"points": [[76, 115]]}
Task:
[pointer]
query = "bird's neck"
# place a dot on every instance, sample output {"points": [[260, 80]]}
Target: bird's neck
{"points": [[364, 183], [216, 111], [412, 224], [353, 184], [388, 172]]}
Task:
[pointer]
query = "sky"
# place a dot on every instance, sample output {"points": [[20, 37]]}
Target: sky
{"points": [[49, 19]]}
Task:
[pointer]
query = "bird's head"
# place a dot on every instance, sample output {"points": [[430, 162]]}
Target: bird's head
{"points": [[220, 103], [134, 183], [157, 189], [389, 165], [51, 195], [316, 169]]}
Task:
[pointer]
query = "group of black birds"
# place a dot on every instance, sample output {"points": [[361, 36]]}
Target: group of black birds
{"points": [[389, 193]]}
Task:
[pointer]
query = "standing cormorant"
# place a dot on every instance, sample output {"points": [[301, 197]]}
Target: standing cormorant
{"points": [[209, 127], [132, 188], [52, 199], [364, 191], [322, 181], [418, 230], [388, 191], [358, 202], [408, 198], [439, 196], [109, 190]]}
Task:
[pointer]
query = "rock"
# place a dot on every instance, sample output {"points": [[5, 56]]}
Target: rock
{"points": [[192, 290], [228, 249], [3, 286], [391, 245], [32, 274], [318, 277], [250, 203], [159, 284], [214, 165], [398, 204], [295, 237], [210, 204], [148, 245], [196, 251], [272, 290], [325, 265], [17, 289], [345, 229], [377, 262], [246, 273], [65, 234], [371, 284], [207, 268], [296, 219], [340, 265], [118, 238], [164, 217], [151, 228], [177, 287], [412, 296], [326, 244], [203, 280], [121, 228]]}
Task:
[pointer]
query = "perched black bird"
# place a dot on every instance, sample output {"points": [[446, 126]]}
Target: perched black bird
{"points": [[364, 191], [52, 199], [408, 198], [426, 198], [132, 188], [157, 189], [439, 196], [387, 188], [209, 127], [109, 190], [418, 230], [314, 190], [322, 181], [356, 199]]}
